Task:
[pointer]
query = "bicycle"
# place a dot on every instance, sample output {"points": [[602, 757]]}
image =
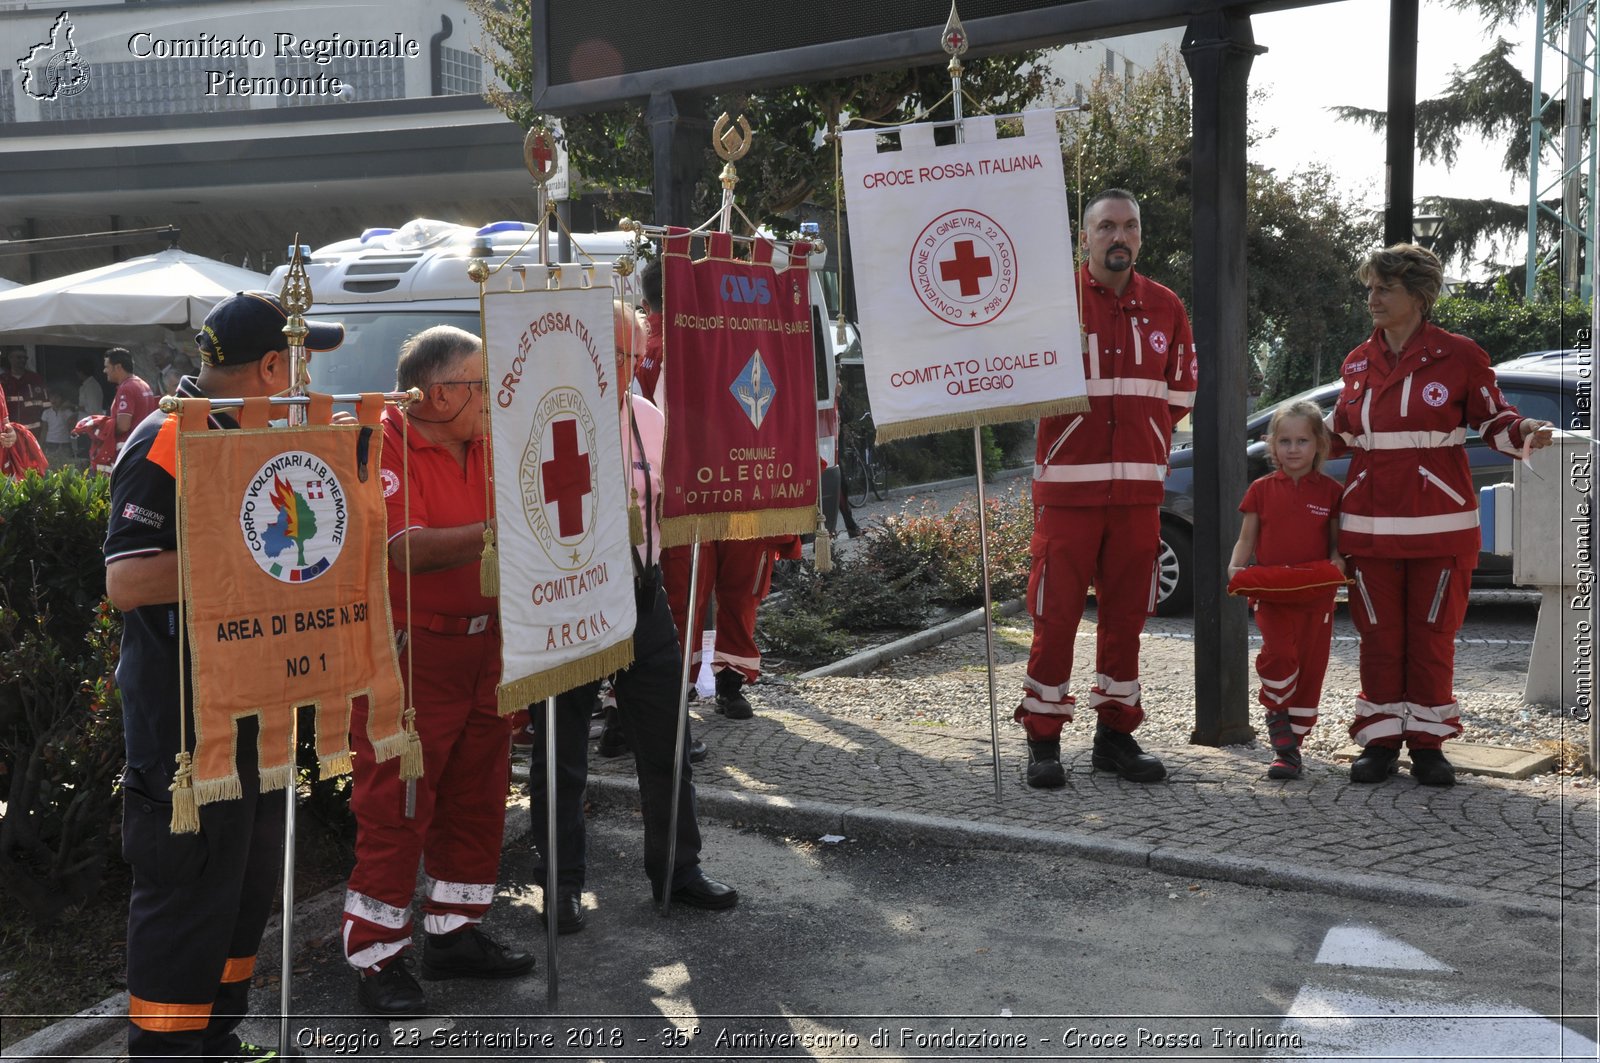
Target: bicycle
{"points": [[859, 465]]}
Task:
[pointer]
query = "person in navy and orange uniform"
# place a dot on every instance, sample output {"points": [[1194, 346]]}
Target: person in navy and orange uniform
{"points": [[199, 902], [1408, 521], [1097, 488], [453, 820], [1290, 518]]}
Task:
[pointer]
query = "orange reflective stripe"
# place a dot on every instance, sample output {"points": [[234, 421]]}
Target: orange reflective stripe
{"points": [[164, 448], [238, 968], [167, 1018]]}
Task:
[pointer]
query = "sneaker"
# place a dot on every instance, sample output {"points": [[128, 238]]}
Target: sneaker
{"points": [[1375, 764], [393, 990], [1286, 764], [1430, 768], [470, 953], [730, 701], [1118, 752], [1044, 765], [249, 1053]]}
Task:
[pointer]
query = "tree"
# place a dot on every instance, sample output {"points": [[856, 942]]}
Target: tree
{"points": [[1493, 100], [790, 161]]}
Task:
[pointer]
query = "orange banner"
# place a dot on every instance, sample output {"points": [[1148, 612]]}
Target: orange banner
{"points": [[282, 538]]}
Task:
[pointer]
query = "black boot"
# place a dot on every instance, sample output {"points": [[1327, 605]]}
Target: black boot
{"points": [[1118, 752], [470, 953], [730, 702], [1375, 764], [1044, 765], [392, 990], [1430, 768]]}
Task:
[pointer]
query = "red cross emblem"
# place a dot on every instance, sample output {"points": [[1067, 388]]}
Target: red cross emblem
{"points": [[967, 268], [539, 153], [565, 478]]}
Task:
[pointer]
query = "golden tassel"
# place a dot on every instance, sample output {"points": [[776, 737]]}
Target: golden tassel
{"points": [[823, 553], [411, 756], [635, 522], [185, 812], [489, 565]]}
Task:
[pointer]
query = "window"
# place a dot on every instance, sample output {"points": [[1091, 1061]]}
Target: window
{"points": [[460, 73]]}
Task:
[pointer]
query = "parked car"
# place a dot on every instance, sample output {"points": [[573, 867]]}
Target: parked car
{"points": [[1543, 385]]}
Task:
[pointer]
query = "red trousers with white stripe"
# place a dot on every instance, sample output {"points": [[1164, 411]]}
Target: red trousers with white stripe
{"points": [[739, 571], [1113, 547], [1295, 639], [460, 808], [1407, 611]]}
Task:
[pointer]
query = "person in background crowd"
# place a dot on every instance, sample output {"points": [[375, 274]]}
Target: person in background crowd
{"points": [[1097, 488], [91, 399], [59, 418], [1409, 517], [24, 390], [452, 819], [134, 400]]}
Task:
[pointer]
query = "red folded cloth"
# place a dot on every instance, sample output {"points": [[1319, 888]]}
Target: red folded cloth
{"points": [[1308, 581], [24, 454]]}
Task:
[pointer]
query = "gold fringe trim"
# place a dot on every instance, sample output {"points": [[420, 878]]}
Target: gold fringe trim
{"points": [[489, 566], [389, 748], [185, 813], [520, 693], [340, 763], [949, 422], [227, 789], [714, 527], [276, 778]]}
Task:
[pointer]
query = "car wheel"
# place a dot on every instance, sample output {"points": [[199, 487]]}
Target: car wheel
{"points": [[1174, 572]]}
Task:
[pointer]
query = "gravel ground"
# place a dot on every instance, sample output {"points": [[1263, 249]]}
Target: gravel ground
{"points": [[947, 686]]}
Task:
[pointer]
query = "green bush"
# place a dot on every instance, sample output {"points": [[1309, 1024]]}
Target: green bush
{"points": [[1506, 326], [60, 714], [947, 546]]}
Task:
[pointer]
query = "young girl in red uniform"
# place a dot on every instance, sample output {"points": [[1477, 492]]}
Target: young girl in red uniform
{"points": [[1291, 517]]}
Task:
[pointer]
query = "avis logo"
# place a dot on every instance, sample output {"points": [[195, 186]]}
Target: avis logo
{"points": [[740, 289]]}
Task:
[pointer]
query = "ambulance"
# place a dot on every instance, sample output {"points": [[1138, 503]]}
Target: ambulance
{"points": [[387, 285]]}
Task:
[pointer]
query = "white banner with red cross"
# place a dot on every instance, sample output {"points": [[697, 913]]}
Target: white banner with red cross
{"points": [[962, 255], [561, 510]]}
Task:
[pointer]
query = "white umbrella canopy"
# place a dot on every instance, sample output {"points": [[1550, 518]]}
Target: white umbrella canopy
{"points": [[170, 290]]}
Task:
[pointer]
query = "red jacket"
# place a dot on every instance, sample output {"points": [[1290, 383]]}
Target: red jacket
{"points": [[1141, 371], [1409, 490]]}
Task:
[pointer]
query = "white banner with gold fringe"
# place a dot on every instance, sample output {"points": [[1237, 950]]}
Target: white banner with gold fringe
{"points": [[962, 256], [565, 560]]}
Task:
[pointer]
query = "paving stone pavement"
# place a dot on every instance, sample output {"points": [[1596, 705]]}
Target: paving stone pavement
{"points": [[1530, 845]]}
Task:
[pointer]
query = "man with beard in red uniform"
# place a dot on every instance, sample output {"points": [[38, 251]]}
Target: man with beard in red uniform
{"points": [[454, 819], [1097, 486]]}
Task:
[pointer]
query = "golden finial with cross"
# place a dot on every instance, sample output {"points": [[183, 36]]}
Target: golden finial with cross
{"points": [[540, 153], [296, 297]]}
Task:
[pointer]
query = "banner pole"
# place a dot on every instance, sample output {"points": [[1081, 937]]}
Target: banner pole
{"points": [[678, 752], [296, 299], [553, 981], [955, 45]]}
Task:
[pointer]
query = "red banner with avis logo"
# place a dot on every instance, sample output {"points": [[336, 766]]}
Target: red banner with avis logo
{"points": [[740, 393]]}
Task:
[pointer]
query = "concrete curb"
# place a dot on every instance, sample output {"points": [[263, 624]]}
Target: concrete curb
{"points": [[865, 661], [821, 817]]}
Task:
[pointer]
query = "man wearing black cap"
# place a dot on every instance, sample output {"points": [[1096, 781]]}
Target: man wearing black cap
{"points": [[199, 901]]}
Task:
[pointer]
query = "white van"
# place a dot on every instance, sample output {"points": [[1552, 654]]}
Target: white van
{"points": [[387, 285]]}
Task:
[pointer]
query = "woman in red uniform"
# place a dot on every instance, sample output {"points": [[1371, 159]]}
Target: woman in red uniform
{"points": [[1409, 517]]}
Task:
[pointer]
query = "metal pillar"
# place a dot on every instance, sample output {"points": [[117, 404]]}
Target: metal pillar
{"points": [[1401, 127], [678, 134], [1562, 169], [1218, 49]]}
